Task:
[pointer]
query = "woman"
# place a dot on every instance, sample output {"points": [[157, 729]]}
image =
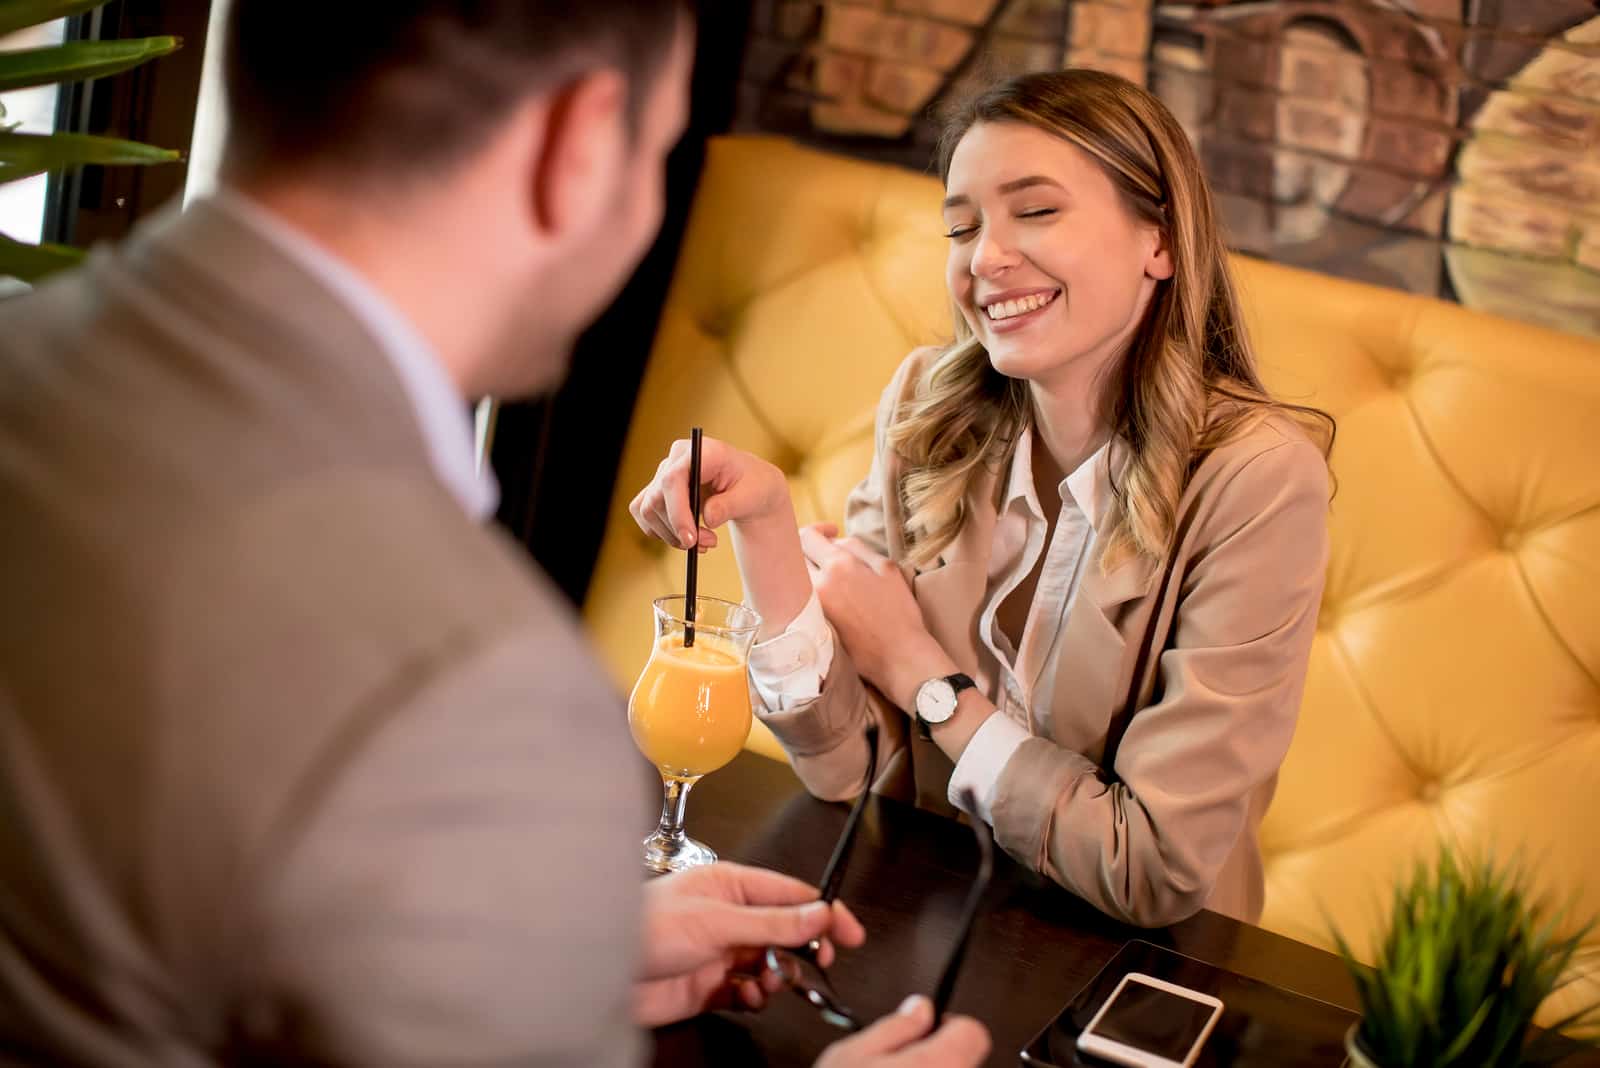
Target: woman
{"points": [[1086, 563]]}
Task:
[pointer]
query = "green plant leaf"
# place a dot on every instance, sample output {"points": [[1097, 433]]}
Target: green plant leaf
{"points": [[32, 262], [1454, 1051], [17, 14], [23, 155], [1469, 955], [79, 61]]}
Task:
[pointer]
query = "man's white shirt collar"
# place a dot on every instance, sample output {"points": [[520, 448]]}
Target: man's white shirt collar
{"points": [[441, 411]]}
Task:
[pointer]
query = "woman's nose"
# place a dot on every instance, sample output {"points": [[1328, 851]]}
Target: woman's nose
{"points": [[994, 253]]}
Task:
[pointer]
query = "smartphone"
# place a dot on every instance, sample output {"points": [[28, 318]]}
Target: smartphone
{"points": [[1150, 1023]]}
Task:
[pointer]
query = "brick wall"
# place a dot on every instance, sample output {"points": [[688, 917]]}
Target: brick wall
{"points": [[1448, 147]]}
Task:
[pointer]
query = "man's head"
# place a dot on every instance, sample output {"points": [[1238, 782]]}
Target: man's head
{"points": [[517, 145]]}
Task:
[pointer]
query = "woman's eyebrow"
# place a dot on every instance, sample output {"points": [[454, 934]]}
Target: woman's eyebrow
{"points": [[961, 199]]}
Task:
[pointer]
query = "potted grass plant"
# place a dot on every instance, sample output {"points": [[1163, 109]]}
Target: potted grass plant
{"points": [[1468, 958], [23, 155]]}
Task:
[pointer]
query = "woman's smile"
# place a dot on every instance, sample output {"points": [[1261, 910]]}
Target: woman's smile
{"points": [[1016, 309]]}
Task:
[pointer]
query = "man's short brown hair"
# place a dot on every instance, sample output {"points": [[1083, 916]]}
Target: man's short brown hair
{"points": [[414, 85]]}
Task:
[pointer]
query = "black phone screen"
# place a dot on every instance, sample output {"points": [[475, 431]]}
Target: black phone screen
{"points": [[1153, 1020], [1263, 1026]]}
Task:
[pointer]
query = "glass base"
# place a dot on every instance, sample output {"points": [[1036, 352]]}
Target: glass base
{"points": [[664, 854]]}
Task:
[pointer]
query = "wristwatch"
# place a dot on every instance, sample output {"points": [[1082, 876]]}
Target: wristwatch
{"points": [[936, 701]]}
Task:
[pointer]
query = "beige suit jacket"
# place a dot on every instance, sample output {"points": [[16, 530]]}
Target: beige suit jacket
{"points": [[297, 762], [1176, 694]]}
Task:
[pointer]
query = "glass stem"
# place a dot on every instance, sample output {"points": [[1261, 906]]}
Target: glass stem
{"points": [[672, 808]]}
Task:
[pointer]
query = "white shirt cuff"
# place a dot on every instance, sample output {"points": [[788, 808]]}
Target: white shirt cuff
{"points": [[983, 760], [788, 670]]}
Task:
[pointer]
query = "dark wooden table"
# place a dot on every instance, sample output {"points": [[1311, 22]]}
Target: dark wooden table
{"points": [[1035, 946]]}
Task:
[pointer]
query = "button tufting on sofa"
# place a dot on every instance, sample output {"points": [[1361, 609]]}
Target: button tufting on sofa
{"points": [[1459, 632]]}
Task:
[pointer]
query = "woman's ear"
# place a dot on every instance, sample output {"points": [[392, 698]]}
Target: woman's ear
{"points": [[1158, 264], [579, 162]]}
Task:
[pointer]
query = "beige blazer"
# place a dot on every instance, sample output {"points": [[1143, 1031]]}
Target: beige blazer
{"points": [[298, 763], [1177, 689]]}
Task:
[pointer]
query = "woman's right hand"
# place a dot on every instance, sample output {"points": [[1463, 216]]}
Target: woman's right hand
{"points": [[736, 487], [901, 1040]]}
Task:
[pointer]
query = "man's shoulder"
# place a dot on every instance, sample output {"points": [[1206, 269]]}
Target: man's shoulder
{"points": [[384, 553], [37, 324]]}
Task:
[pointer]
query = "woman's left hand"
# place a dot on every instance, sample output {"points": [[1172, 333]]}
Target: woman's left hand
{"points": [[867, 599]]}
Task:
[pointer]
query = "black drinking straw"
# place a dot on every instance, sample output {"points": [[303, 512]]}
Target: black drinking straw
{"points": [[694, 541]]}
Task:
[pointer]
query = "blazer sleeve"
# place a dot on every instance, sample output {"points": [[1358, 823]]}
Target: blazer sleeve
{"points": [[463, 887], [826, 738], [1146, 842]]}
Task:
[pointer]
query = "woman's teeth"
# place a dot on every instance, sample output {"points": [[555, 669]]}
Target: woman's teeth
{"points": [[1007, 308]]}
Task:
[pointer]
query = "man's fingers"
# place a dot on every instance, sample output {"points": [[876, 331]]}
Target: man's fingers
{"points": [[751, 994], [773, 925], [763, 886], [846, 930], [901, 1027]]}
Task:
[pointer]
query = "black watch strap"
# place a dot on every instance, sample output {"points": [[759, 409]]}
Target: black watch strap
{"points": [[958, 682]]}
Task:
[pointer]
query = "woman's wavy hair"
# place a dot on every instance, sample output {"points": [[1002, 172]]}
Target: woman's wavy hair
{"points": [[1188, 381]]}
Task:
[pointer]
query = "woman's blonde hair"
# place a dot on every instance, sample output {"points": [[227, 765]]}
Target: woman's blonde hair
{"points": [[1188, 381]]}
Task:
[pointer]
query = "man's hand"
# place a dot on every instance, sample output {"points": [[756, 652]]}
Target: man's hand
{"points": [[706, 929], [902, 1041]]}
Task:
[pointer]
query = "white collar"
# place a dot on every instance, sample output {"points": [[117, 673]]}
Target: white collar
{"points": [[441, 412], [1089, 485]]}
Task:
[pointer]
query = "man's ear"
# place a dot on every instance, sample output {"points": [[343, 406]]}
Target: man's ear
{"points": [[582, 155], [1158, 264]]}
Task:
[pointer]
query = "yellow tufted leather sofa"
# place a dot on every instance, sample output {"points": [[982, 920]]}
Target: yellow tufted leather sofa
{"points": [[1454, 688]]}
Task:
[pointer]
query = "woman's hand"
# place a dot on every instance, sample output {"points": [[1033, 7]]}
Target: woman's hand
{"points": [[874, 614], [736, 488]]}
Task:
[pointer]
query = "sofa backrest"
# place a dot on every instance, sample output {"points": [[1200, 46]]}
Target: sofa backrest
{"points": [[1454, 688]]}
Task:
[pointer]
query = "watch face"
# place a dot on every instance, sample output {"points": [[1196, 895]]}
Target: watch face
{"points": [[936, 701]]}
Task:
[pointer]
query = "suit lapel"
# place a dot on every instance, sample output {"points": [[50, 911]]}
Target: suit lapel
{"points": [[1095, 665], [951, 592]]}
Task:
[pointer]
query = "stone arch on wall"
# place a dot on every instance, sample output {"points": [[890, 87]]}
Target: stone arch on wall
{"points": [[1306, 182], [1378, 99]]}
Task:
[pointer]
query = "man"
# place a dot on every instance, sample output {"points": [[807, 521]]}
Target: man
{"points": [[299, 761]]}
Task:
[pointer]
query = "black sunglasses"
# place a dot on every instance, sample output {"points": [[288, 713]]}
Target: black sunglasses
{"points": [[799, 968]]}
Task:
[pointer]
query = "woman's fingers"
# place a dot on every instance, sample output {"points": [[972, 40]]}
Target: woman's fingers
{"points": [[817, 547], [868, 556], [662, 508]]}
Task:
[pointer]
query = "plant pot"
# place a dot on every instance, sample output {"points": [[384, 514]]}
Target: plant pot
{"points": [[1358, 1057]]}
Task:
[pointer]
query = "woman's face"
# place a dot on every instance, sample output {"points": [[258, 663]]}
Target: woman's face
{"points": [[1049, 267]]}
